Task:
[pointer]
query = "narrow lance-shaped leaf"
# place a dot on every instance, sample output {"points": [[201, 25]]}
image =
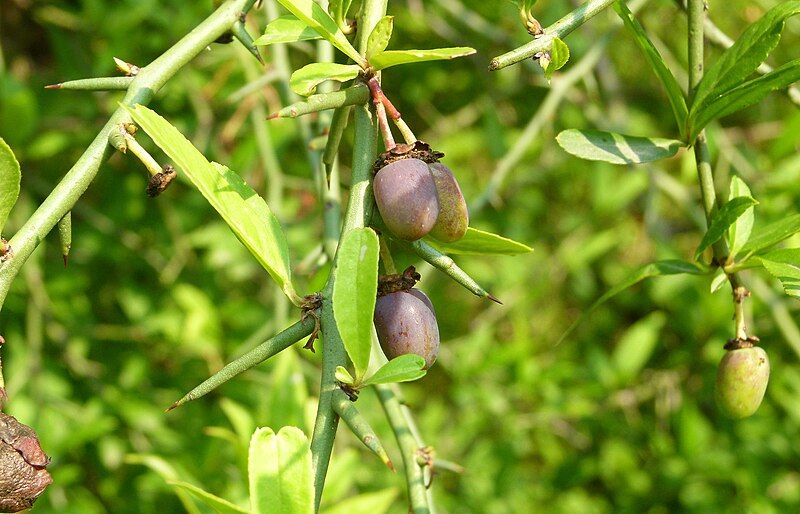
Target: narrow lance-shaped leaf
{"points": [[741, 60], [480, 242], [722, 220], [404, 368], [739, 232], [355, 286], [287, 29], [655, 269], [785, 266], [594, 145], [305, 80], [743, 96], [220, 505], [673, 89], [243, 210], [379, 37], [279, 468], [9, 182], [389, 58], [772, 234], [315, 17]]}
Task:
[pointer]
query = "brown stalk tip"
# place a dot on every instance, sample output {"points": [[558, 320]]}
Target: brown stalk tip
{"points": [[390, 465], [494, 65], [66, 260], [53, 86], [493, 298], [173, 406], [274, 115]]}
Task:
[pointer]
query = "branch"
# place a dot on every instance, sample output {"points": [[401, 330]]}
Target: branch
{"points": [[559, 29], [389, 395], [144, 86]]}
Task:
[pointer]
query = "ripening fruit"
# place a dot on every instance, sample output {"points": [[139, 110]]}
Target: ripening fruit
{"points": [[406, 323], [453, 220], [23, 476], [406, 196], [742, 379]]}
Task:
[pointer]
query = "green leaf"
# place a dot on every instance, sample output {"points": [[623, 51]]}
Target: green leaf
{"points": [[246, 213], [220, 505], [389, 58], [479, 242], [344, 376], [305, 80], [772, 234], [785, 266], [718, 281], [747, 53], [556, 58], [722, 220], [378, 502], [739, 232], [673, 89], [404, 368], [279, 467], [655, 269], [315, 17], [9, 182], [287, 29], [595, 145], [354, 290], [380, 36], [743, 96], [637, 346]]}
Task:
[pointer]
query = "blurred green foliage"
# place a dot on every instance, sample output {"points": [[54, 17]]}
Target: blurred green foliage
{"points": [[158, 293]]}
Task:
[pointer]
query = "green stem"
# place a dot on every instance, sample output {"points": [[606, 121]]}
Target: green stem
{"points": [[257, 355], [149, 80], [447, 265], [346, 409], [333, 353], [95, 84], [389, 395], [358, 94], [559, 29], [133, 146]]}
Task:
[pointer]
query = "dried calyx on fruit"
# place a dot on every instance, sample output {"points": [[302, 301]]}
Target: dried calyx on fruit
{"points": [[417, 195], [23, 476], [404, 318], [742, 378]]}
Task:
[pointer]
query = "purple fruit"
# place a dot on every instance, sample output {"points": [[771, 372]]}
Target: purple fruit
{"points": [[23, 476], [406, 196], [406, 323], [742, 379], [453, 220]]}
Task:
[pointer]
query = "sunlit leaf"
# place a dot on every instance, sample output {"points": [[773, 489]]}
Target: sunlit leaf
{"points": [[279, 467], [305, 80], [479, 242], [287, 29], [9, 182], [220, 505], [772, 234], [246, 213], [404, 368], [558, 57], [380, 36], [722, 220], [785, 266], [389, 58], [315, 17], [595, 145], [354, 290], [739, 232]]}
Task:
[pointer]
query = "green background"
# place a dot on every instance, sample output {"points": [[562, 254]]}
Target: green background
{"points": [[158, 293]]}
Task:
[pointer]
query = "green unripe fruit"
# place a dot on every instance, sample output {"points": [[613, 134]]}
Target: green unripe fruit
{"points": [[453, 220], [406, 197], [742, 379], [406, 323]]}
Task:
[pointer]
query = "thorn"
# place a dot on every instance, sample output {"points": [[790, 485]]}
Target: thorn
{"points": [[53, 86], [493, 298], [66, 260], [274, 115], [173, 406], [240, 33]]}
